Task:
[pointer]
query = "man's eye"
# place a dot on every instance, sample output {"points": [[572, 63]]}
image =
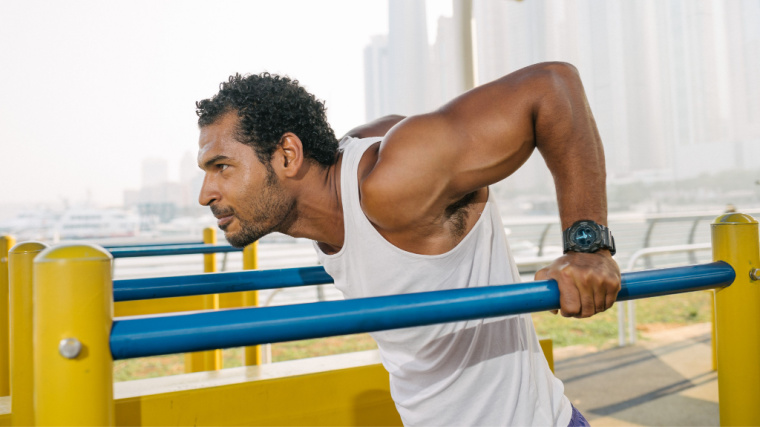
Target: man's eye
{"points": [[222, 167]]}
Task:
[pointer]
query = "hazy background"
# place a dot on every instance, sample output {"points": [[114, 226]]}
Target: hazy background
{"points": [[97, 98]]}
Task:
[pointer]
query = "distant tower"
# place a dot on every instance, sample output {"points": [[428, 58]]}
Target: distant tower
{"points": [[154, 172], [188, 174], [376, 87], [408, 54]]}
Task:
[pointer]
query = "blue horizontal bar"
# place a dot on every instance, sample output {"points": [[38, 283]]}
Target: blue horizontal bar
{"points": [[217, 283], [143, 251], [250, 326], [143, 245]]}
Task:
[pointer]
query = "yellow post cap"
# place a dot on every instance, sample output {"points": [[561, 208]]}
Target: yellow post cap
{"points": [[81, 251], [735, 218], [28, 247]]}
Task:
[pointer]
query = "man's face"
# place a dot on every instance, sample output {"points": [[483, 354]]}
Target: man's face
{"points": [[244, 194]]}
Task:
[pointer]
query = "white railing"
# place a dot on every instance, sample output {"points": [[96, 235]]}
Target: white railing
{"points": [[629, 305]]}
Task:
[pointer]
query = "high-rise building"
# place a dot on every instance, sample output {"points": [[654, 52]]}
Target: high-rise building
{"points": [[408, 57], [673, 85], [376, 75], [397, 66], [154, 172]]}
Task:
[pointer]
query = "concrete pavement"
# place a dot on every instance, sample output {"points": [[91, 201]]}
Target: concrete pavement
{"points": [[666, 379]]}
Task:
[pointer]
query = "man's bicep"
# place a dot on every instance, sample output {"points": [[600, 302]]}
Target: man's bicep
{"points": [[476, 140], [495, 134], [472, 142]]}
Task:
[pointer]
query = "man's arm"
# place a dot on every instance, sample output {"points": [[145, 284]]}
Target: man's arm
{"points": [[377, 127], [428, 162]]}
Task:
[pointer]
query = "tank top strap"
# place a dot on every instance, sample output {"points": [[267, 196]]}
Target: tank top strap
{"points": [[353, 150]]}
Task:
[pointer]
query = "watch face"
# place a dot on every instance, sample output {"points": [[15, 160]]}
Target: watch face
{"points": [[585, 236]]}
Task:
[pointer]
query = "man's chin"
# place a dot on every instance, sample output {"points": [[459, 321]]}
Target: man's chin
{"points": [[239, 240]]}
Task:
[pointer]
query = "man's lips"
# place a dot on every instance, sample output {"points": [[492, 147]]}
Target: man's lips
{"points": [[223, 221]]}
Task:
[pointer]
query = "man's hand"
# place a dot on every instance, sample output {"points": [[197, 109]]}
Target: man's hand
{"points": [[588, 282]]}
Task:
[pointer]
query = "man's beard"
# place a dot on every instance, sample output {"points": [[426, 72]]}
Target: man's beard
{"points": [[248, 234], [270, 211]]}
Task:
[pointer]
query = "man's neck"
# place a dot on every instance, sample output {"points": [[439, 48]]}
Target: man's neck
{"points": [[318, 209]]}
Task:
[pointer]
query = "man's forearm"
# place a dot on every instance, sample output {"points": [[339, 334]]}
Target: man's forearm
{"points": [[377, 127], [568, 139]]}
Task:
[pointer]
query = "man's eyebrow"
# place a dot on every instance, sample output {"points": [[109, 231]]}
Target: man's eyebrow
{"points": [[213, 160]]}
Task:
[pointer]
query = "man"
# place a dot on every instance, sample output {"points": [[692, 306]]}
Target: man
{"points": [[406, 208]]}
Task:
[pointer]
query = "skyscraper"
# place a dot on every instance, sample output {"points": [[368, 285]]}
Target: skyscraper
{"points": [[674, 86]]}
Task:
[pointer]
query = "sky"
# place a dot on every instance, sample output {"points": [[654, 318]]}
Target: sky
{"points": [[88, 89]]}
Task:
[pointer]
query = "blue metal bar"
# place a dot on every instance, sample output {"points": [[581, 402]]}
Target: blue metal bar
{"points": [[144, 251], [217, 283], [250, 326], [142, 245]]}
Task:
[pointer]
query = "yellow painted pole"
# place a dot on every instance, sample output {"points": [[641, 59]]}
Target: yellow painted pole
{"points": [[6, 243], [735, 241], [73, 315], [209, 260], [714, 331], [20, 260], [206, 360], [251, 299]]}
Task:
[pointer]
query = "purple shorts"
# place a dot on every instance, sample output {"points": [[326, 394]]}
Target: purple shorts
{"points": [[577, 419]]}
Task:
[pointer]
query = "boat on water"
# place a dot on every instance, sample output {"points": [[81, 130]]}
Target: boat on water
{"points": [[97, 223], [72, 224]]}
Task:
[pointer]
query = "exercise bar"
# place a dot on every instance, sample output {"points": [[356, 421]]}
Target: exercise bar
{"points": [[217, 283], [144, 245], [249, 326], [145, 251]]}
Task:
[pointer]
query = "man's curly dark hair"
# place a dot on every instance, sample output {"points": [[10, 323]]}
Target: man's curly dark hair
{"points": [[268, 106]]}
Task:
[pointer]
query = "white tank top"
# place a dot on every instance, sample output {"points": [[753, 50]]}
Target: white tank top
{"points": [[471, 373]]}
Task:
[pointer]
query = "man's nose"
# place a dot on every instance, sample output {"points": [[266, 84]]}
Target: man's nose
{"points": [[209, 192]]}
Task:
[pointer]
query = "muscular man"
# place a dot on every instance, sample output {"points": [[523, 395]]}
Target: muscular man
{"points": [[403, 205]]}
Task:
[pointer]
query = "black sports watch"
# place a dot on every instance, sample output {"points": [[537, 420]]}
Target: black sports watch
{"points": [[587, 236]]}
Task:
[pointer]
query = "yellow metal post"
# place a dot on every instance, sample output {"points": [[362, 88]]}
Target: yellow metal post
{"points": [[714, 331], [735, 241], [251, 299], [547, 346], [73, 315], [21, 259], [209, 260], [206, 360], [6, 243]]}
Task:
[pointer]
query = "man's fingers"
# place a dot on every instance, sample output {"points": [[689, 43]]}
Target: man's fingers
{"points": [[610, 300], [613, 287], [570, 296], [588, 283], [600, 296], [588, 307], [543, 274]]}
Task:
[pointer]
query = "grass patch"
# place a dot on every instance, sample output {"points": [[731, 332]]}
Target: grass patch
{"points": [[148, 367], [599, 331], [158, 366]]}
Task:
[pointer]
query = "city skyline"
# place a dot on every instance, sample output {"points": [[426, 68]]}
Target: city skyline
{"points": [[86, 106], [673, 85]]}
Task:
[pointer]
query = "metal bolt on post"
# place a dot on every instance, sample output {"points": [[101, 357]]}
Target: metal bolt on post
{"points": [[70, 348], [735, 241], [73, 297]]}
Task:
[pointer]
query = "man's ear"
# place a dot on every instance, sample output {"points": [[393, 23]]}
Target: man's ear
{"points": [[291, 157]]}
